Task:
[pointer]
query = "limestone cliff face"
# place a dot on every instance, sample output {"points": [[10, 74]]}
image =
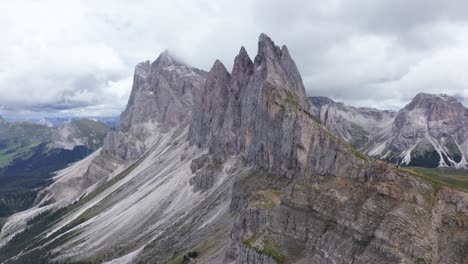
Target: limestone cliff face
{"points": [[386, 217], [261, 112]]}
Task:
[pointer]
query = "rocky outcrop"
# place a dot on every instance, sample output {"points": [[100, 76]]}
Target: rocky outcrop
{"points": [[388, 218], [361, 127]]}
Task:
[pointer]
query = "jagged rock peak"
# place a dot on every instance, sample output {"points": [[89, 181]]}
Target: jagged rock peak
{"points": [[278, 67], [243, 52], [162, 94], [242, 59], [166, 58], [143, 69], [218, 66], [242, 64], [267, 48]]}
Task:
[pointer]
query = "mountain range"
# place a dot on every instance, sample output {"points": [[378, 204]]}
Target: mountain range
{"points": [[111, 121], [431, 131], [30, 154], [240, 167]]}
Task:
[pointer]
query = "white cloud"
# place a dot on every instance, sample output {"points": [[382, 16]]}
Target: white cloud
{"points": [[75, 57]]}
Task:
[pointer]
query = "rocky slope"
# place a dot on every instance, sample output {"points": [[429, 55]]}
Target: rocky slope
{"points": [[245, 175], [361, 127], [431, 131]]}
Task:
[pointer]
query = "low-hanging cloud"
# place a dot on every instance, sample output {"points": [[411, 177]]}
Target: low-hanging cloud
{"points": [[77, 57]]}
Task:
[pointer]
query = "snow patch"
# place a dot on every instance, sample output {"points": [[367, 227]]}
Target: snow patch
{"points": [[406, 155], [377, 149]]}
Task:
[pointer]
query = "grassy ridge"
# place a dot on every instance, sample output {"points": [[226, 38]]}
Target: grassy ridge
{"points": [[440, 177], [18, 139]]}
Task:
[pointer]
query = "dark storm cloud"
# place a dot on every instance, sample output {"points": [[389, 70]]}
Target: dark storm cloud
{"points": [[77, 57]]}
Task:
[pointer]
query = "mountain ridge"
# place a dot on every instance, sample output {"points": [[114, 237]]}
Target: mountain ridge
{"points": [[247, 176]]}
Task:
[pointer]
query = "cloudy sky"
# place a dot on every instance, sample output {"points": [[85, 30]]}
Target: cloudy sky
{"points": [[76, 57]]}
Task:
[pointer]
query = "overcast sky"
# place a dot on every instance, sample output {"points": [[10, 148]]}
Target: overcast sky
{"points": [[62, 58]]}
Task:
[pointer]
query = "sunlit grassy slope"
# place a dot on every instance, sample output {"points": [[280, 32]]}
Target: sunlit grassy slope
{"points": [[443, 176]]}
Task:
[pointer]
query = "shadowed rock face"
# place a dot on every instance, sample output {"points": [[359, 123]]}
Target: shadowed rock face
{"points": [[250, 178]]}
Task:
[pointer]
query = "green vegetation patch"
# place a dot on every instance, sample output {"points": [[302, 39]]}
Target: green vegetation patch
{"points": [[291, 99], [309, 188], [268, 85], [16, 150], [264, 177], [268, 249], [351, 149], [440, 177], [215, 166], [91, 127], [265, 199]]}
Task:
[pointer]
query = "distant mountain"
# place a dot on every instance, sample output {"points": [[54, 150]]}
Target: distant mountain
{"points": [[111, 121], [51, 121], [79, 132], [431, 131], [30, 153], [361, 127]]}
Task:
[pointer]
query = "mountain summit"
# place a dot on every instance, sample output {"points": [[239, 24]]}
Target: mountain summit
{"points": [[232, 167]]}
